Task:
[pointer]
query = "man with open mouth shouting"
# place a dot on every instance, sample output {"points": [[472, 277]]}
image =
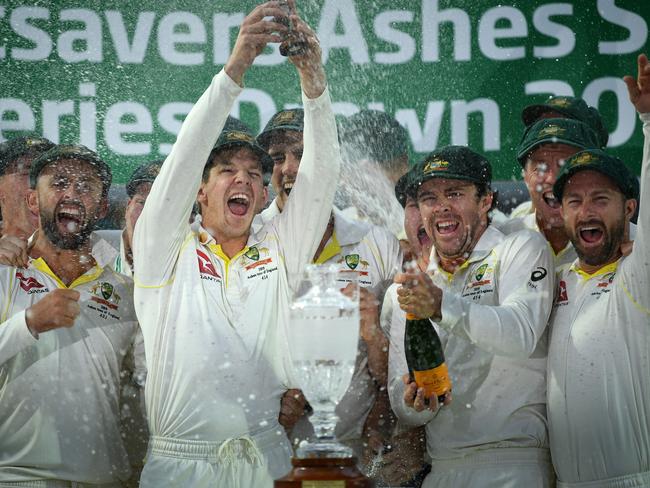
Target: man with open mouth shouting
{"points": [[544, 148], [213, 298], [490, 296], [598, 361], [67, 320]]}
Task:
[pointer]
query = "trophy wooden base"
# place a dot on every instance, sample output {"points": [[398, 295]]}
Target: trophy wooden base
{"points": [[324, 473]]}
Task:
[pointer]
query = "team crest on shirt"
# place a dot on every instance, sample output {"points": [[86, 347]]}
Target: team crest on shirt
{"points": [[352, 260], [255, 257], [603, 283], [104, 292], [482, 276], [30, 284]]}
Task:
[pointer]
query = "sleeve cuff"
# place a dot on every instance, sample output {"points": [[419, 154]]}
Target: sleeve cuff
{"points": [[645, 117], [316, 103], [228, 84]]}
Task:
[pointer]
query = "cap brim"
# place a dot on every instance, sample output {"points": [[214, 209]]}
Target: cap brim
{"points": [[264, 138], [558, 187], [265, 159], [548, 140]]}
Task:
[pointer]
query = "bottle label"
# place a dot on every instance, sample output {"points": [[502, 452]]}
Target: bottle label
{"points": [[434, 381]]}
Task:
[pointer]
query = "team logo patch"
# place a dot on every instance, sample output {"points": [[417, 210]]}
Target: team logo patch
{"points": [[285, 117], [539, 274], [30, 284], [552, 130], [104, 293], [480, 272], [253, 254], [435, 165], [239, 137], [559, 102], [584, 158], [352, 260], [606, 280]]}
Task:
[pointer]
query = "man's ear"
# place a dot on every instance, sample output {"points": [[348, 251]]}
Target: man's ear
{"points": [[201, 196], [103, 208], [630, 208], [32, 202]]}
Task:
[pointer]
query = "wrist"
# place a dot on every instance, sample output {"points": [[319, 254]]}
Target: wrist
{"points": [[29, 323]]}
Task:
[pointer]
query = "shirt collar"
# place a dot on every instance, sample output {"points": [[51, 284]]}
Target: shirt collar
{"points": [[608, 268]]}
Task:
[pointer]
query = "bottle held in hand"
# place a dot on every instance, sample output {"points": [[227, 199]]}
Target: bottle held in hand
{"points": [[292, 45], [425, 357]]}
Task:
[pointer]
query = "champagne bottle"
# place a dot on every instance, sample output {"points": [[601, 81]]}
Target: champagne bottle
{"points": [[425, 357]]}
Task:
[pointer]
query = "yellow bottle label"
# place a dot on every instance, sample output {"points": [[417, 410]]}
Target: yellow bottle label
{"points": [[434, 381]]}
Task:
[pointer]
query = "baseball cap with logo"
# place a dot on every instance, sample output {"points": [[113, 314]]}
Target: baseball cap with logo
{"points": [[292, 119], [401, 188], [236, 133], [598, 160], [452, 162], [144, 173], [29, 145], [556, 131], [572, 108], [75, 152]]}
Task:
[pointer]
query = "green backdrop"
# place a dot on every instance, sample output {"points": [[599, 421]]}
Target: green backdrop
{"points": [[119, 76]]}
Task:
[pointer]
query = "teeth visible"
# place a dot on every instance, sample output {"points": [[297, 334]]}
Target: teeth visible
{"points": [[75, 212], [240, 196], [446, 225], [589, 229], [288, 186]]}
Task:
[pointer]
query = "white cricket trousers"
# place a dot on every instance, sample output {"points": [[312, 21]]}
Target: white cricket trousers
{"points": [[636, 480], [244, 462], [494, 468]]}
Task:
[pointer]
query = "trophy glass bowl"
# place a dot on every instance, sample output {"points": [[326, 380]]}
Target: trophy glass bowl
{"points": [[323, 343]]}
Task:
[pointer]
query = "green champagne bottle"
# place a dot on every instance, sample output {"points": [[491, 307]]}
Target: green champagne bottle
{"points": [[425, 357]]}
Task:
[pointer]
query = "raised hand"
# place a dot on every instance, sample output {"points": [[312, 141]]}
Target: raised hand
{"points": [[639, 88], [418, 295], [13, 251], [255, 32], [58, 308]]}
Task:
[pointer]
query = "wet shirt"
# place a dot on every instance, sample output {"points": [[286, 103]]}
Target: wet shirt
{"points": [[494, 313], [213, 326], [375, 255], [59, 407], [599, 361]]}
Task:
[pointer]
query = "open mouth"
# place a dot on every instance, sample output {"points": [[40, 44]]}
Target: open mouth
{"points": [[239, 204], [446, 227], [550, 199], [591, 234], [287, 187], [423, 237], [71, 217]]}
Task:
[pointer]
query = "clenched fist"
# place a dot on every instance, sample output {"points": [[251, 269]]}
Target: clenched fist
{"points": [[59, 308]]}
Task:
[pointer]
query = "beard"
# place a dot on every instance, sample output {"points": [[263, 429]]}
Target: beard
{"points": [[68, 241], [610, 246]]}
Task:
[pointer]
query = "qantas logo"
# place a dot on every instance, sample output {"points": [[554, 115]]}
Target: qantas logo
{"points": [[30, 284], [205, 265]]}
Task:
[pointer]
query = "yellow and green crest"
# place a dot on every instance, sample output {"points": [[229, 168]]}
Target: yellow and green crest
{"points": [[352, 260]]}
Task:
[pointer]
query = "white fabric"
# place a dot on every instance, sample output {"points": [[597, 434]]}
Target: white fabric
{"points": [[599, 363], [215, 345], [115, 238], [523, 209], [59, 407], [495, 468], [494, 313], [379, 258]]}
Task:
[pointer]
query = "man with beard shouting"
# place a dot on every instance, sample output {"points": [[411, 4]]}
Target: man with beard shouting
{"points": [[599, 360], [212, 299], [67, 320]]}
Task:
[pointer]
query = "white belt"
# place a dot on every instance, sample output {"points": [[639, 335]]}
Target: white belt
{"points": [[636, 480]]}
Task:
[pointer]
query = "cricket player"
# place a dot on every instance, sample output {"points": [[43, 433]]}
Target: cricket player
{"points": [[370, 251], [598, 363], [544, 147], [16, 156], [490, 296], [67, 322], [565, 107], [213, 300]]}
